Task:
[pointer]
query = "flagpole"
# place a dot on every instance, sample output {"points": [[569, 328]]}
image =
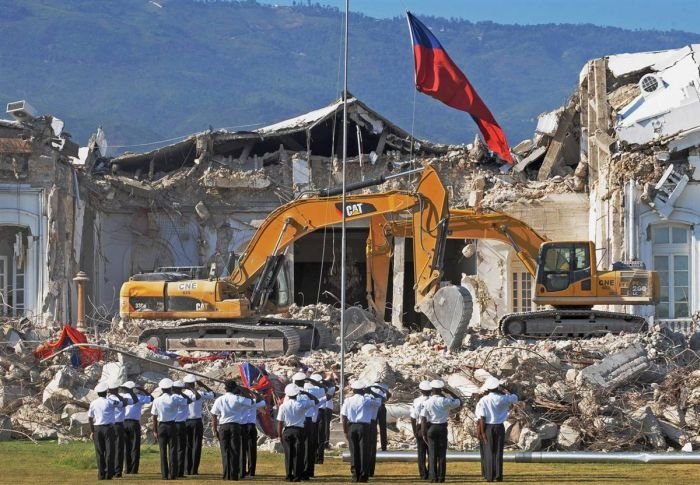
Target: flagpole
{"points": [[342, 224]]}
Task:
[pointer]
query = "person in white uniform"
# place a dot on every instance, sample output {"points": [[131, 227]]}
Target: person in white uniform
{"points": [[491, 413], [291, 417], [101, 418], [325, 418], [228, 415], [435, 413], [249, 446], [164, 410], [416, 423], [132, 427], [194, 426], [313, 386], [356, 413], [119, 432]]}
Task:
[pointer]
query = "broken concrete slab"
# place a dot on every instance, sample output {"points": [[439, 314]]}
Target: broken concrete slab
{"points": [[617, 369], [114, 372], [378, 370], [570, 435], [5, 427], [536, 155], [529, 440], [649, 427], [358, 323]]}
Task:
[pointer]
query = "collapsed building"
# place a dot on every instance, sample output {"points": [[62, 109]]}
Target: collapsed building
{"points": [[615, 165]]}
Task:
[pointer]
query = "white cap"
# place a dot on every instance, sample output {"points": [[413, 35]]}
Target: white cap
{"points": [[178, 383], [129, 384], [291, 390], [437, 384], [491, 383], [165, 383], [189, 379], [357, 385], [316, 377], [424, 386], [101, 387], [113, 384], [299, 376]]}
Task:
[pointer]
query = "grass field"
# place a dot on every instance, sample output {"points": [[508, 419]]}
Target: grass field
{"points": [[74, 463]]}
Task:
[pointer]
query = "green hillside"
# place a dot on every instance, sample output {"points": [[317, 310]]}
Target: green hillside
{"points": [[153, 70]]}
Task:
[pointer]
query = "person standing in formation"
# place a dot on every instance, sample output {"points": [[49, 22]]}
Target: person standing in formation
{"points": [[416, 424], [180, 427], [193, 426], [101, 418], [132, 427], [291, 419], [379, 420], [356, 414], [491, 413], [119, 442], [228, 415], [249, 438], [164, 410], [325, 414], [313, 387], [435, 413]]}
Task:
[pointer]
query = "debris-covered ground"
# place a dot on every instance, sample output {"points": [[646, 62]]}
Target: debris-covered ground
{"points": [[629, 392]]}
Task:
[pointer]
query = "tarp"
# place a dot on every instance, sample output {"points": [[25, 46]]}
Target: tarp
{"points": [[79, 357]]}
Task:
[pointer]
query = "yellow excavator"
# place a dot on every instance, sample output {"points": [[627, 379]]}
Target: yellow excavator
{"points": [[565, 274], [230, 313]]}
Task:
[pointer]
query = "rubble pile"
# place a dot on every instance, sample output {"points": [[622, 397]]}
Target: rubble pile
{"points": [[624, 392]]}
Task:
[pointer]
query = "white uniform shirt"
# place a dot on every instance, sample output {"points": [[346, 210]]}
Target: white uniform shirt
{"points": [[330, 392], [182, 410], [165, 406], [133, 411], [436, 409], [320, 394], [194, 410], [360, 408], [101, 411], [251, 415], [417, 408], [119, 406], [293, 412], [231, 408], [494, 407]]}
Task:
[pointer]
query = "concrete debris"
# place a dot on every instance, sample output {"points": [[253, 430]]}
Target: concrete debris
{"points": [[617, 369]]}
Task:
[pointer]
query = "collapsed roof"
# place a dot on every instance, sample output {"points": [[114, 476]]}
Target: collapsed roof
{"points": [[318, 132]]}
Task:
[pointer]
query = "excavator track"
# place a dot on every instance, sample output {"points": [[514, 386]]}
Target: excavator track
{"points": [[265, 336], [559, 323]]}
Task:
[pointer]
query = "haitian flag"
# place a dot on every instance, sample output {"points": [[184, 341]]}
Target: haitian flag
{"points": [[438, 76]]}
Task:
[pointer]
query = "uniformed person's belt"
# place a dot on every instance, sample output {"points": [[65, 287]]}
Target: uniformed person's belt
{"points": [[438, 424], [293, 427], [165, 422], [134, 420], [359, 422]]}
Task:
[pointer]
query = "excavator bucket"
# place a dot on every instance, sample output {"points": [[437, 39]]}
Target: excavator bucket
{"points": [[449, 308]]}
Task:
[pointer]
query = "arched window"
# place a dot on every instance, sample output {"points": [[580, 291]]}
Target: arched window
{"points": [[671, 243]]}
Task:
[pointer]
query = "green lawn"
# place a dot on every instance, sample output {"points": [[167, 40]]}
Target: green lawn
{"points": [[74, 463]]}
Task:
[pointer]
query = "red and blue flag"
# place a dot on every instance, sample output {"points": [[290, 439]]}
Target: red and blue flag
{"points": [[438, 76]]}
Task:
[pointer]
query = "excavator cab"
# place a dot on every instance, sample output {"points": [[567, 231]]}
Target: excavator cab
{"points": [[565, 269]]}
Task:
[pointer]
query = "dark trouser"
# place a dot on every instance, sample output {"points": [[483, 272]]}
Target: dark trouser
{"points": [[230, 444], [132, 445], [118, 448], [249, 449], [437, 451], [422, 456], [193, 447], [359, 436], [180, 446], [293, 444], [491, 449], [329, 418], [381, 421], [103, 437], [311, 432], [372, 446], [321, 434], [167, 440]]}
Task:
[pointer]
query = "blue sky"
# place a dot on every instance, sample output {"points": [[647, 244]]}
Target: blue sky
{"points": [[630, 14]]}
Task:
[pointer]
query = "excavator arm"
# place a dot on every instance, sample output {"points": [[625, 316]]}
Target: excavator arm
{"points": [[427, 207]]}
